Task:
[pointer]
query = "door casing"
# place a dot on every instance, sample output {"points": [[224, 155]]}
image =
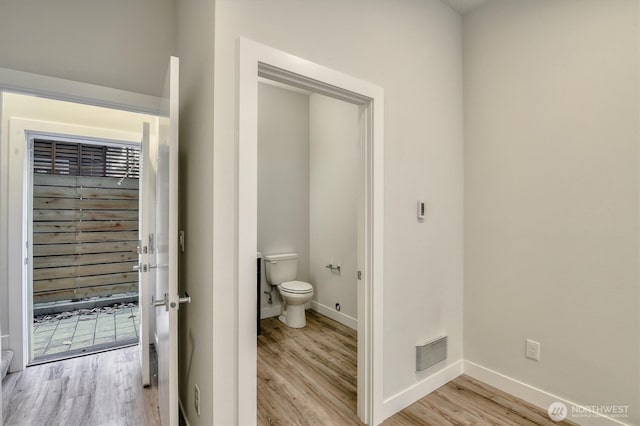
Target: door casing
{"points": [[20, 82], [258, 60]]}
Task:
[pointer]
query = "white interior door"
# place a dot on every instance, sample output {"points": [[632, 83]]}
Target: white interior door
{"points": [[146, 226], [1, 418], [167, 300]]}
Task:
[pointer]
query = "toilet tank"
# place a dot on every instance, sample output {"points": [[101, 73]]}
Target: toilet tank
{"points": [[280, 268]]}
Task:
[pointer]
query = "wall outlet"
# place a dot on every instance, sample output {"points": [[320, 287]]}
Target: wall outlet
{"points": [[532, 350], [196, 399]]}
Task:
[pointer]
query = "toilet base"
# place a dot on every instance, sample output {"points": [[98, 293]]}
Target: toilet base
{"points": [[294, 316]]}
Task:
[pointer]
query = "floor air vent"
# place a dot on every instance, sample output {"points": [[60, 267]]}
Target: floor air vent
{"points": [[431, 353]]}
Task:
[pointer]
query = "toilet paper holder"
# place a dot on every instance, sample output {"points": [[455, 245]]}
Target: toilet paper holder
{"points": [[333, 267]]}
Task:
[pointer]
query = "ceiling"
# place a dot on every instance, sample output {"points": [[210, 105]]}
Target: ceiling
{"points": [[464, 6]]}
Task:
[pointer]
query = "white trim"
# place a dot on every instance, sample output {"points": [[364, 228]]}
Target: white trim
{"points": [[533, 395], [335, 315], [255, 58], [144, 228], [74, 91], [403, 399], [19, 132], [85, 141], [17, 197]]}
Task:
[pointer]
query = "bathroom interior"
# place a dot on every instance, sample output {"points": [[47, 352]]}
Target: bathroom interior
{"points": [[307, 236]]}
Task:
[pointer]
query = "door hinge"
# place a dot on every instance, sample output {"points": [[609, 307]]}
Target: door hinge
{"points": [[359, 275], [26, 260]]}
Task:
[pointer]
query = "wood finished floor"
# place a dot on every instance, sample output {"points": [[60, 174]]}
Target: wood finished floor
{"points": [[94, 390], [308, 377], [465, 401]]}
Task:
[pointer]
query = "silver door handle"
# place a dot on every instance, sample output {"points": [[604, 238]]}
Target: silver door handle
{"points": [[159, 303], [185, 299], [138, 268], [158, 266]]}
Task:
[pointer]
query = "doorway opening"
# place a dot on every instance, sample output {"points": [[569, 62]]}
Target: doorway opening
{"points": [[83, 221], [70, 171], [309, 168], [260, 61]]}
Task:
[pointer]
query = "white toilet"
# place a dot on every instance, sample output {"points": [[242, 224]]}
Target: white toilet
{"points": [[281, 270]]}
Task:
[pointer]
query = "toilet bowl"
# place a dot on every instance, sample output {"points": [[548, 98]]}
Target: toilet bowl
{"points": [[295, 294], [281, 271]]}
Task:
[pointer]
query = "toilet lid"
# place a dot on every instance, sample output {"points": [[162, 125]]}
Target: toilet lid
{"points": [[298, 287]]}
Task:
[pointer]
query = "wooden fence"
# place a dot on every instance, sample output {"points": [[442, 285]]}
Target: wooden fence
{"points": [[85, 233]]}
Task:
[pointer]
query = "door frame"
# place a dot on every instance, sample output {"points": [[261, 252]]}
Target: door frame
{"points": [[21, 132], [258, 60], [24, 83]]}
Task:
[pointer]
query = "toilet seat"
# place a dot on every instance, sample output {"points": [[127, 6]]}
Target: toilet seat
{"points": [[296, 287]]}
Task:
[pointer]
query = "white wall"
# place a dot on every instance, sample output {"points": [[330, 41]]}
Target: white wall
{"points": [[283, 180], [118, 43], [551, 196], [412, 48], [47, 110], [195, 35], [334, 137]]}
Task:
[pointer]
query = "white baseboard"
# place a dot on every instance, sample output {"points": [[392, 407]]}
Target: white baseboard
{"points": [[270, 311], [538, 397], [184, 412], [335, 315], [403, 399]]}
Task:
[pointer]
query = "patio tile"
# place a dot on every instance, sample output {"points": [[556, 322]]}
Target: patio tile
{"points": [[57, 350], [84, 330], [41, 337], [59, 342], [87, 341], [39, 348], [62, 336], [80, 345], [86, 324], [124, 326], [126, 336]]}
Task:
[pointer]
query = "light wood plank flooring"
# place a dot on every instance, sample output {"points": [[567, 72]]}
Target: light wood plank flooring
{"points": [[94, 390], [308, 377], [465, 401]]}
